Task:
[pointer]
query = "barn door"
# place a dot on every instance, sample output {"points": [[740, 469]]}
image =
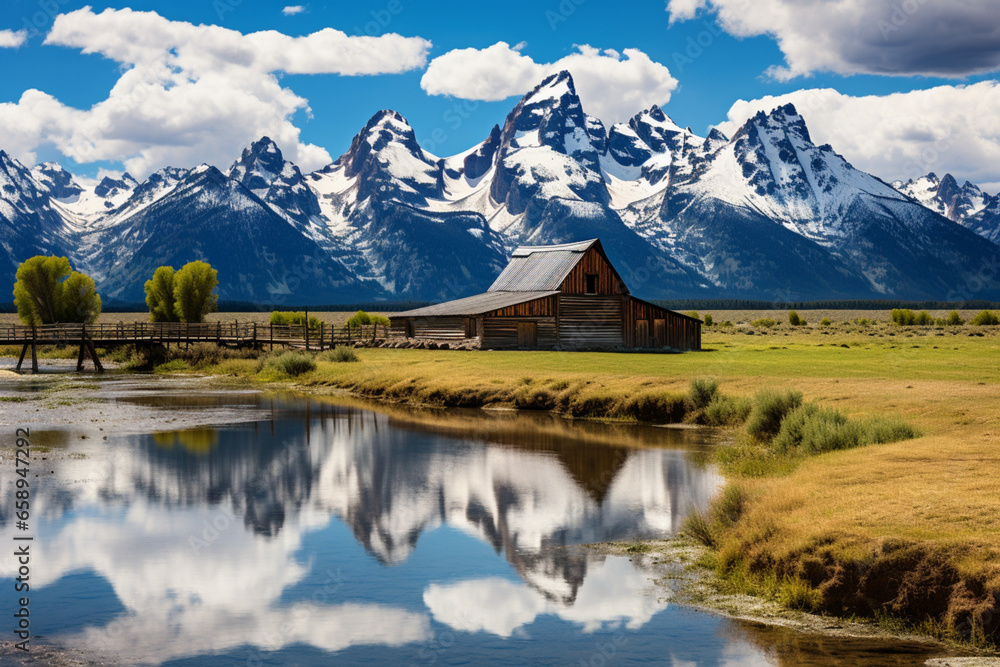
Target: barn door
{"points": [[527, 334], [660, 333], [642, 333]]}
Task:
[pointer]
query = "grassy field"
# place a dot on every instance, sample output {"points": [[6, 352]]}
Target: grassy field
{"points": [[908, 530]]}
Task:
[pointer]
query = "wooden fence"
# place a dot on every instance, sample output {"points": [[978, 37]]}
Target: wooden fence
{"points": [[229, 334]]}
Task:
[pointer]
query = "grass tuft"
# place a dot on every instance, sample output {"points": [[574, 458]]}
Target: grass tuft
{"points": [[769, 409], [293, 364], [702, 392], [339, 354]]}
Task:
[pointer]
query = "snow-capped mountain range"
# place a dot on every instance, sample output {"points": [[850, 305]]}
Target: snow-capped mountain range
{"points": [[965, 204], [765, 214]]}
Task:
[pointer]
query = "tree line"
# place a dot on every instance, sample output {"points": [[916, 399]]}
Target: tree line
{"points": [[48, 291]]}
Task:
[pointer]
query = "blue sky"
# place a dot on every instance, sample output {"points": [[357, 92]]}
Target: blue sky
{"points": [[712, 67]]}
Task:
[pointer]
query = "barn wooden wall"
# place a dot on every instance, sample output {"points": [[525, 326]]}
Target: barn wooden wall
{"points": [[544, 307], [437, 328], [679, 332], [593, 262], [500, 333], [590, 321]]}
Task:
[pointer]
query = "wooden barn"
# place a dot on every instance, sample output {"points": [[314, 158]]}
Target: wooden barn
{"points": [[565, 297]]}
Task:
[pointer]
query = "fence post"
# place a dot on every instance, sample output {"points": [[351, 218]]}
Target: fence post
{"points": [[34, 352]]}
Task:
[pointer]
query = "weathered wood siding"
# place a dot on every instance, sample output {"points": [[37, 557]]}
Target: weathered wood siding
{"points": [[500, 333], [590, 321], [666, 328], [544, 307], [593, 262], [433, 328]]}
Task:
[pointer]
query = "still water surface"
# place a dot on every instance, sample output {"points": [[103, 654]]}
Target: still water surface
{"points": [[316, 534]]}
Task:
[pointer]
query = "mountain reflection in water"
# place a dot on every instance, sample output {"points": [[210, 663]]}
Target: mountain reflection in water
{"points": [[328, 527]]}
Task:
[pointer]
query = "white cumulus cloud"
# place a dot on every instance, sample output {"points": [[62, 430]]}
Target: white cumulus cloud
{"points": [[292, 10], [11, 39], [612, 86], [191, 93], [952, 129], [907, 37]]}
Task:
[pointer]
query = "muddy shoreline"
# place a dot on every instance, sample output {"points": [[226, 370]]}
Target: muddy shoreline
{"points": [[684, 582]]}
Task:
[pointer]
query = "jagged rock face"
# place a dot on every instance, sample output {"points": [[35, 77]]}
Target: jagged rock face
{"points": [[57, 181], [965, 204], [388, 163], [29, 225], [766, 214], [263, 170], [478, 163], [549, 148]]}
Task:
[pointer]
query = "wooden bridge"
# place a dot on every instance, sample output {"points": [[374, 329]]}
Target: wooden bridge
{"points": [[90, 337]]}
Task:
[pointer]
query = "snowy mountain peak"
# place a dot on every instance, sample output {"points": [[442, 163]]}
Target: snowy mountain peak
{"points": [[960, 203], [386, 159], [784, 119], [59, 182], [111, 187], [261, 164]]}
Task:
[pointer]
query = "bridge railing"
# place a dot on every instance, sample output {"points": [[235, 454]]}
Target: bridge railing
{"points": [[238, 333]]}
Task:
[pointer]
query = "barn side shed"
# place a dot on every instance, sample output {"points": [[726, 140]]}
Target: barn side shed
{"points": [[566, 296]]}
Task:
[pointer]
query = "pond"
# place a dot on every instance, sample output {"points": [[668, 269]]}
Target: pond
{"points": [[294, 531]]}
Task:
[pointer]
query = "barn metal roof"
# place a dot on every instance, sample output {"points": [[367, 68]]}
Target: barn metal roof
{"points": [[535, 268], [476, 305]]}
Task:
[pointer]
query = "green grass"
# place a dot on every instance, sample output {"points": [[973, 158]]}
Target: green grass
{"points": [[339, 354]]}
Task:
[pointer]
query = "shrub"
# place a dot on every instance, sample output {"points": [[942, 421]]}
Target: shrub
{"points": [[986, 318], [794, 319], [362, 318], [702, 392], [728, 507], [902, 316], [708, 320], [339, 354], [696, 526], [694, 314], [769, 409], [286, 318], [813, 430], [923, 319], [201, 355], [764, 322], [727, 323], [825, 322], [727, 411], [293, 363]]}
